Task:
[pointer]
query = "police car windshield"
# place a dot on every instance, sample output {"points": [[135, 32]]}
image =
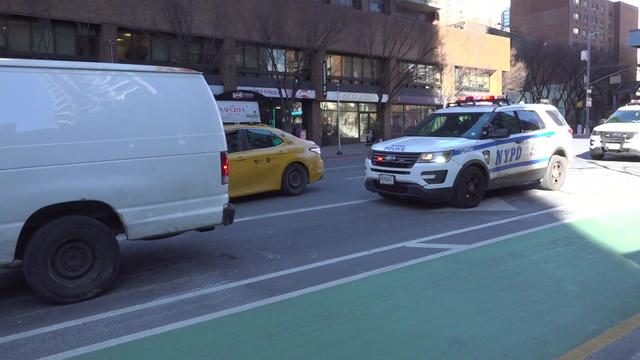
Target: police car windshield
{"points": [[625, 116], [457, 125]]}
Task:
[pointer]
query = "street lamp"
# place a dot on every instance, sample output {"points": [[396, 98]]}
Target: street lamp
{"points": [[587, 84]]}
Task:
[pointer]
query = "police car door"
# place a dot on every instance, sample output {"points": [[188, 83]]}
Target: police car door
{"points": [[511, 153], [537, 144]]}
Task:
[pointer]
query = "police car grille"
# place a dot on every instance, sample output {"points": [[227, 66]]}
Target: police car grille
{"points": [[395, 160], [618, 135]]}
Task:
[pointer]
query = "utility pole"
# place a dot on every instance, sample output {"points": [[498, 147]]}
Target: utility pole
{"points": [[588, 99], [338, 114]]}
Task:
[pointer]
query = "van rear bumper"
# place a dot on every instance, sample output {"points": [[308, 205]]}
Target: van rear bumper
{"points": [[228, 214]]}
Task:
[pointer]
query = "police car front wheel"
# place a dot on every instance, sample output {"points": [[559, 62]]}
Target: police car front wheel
{"points": [[556, 173], [469, 188]]}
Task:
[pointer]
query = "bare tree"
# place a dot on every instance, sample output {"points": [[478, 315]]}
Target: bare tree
{"points": [[290, 46], [452, 89], [514, 79], [403, 45]]}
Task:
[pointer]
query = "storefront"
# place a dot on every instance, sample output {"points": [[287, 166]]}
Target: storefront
{"points": [[358, 115], [404, 117]]}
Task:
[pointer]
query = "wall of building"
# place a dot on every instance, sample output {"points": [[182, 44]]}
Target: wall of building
{"points": [[542, 19], [626, 19]]}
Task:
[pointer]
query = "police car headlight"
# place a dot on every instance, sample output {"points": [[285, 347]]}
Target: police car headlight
{"points": [[436, 157]]}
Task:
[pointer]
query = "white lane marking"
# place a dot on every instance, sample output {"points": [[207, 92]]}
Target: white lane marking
{"points": [[193, 321], [344, 167], [354, 178], [296, 211], [214, 289], [436, 246]]}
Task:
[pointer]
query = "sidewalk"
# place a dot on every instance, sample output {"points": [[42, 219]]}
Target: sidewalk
{"points": [[350, 151]]}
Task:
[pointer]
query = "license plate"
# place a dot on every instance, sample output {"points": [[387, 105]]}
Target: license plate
{"points": [[613, 146], [387, 179]]}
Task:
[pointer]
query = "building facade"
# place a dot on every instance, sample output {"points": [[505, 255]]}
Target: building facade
{"points": [[243, 46], [571, 21]]}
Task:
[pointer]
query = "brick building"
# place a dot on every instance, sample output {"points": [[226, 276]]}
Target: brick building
{"points": [[222, 39]]}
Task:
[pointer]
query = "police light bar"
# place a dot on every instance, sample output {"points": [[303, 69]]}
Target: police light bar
{"points": [[634, 102], [461, 100]]}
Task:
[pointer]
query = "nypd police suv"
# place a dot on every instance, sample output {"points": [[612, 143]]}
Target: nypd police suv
{"points": [[620, 135], [459, 152]]}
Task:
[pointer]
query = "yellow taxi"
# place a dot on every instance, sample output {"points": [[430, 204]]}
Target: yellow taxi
{"points": [[263, 159]]}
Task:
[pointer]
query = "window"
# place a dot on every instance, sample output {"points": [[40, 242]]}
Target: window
{"points": [[557, 117], [87, 36], [3, 34], [585, 4], [422, 74], [375, 5], [261, 139], [576, 16], [352, 68], [473, 80], [584, 32], [577, 2], [506, 120], [347, 3], [530, 121], [42, 38], [19, 35], [65, 39], [234, 142], [255, 58], [576, 31]]}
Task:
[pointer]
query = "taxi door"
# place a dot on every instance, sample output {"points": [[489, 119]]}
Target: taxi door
{"points": [[512, 153], [239, 169], [264, 160]]}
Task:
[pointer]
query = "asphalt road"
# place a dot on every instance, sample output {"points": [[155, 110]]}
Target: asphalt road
{"points": [[281, 248]]}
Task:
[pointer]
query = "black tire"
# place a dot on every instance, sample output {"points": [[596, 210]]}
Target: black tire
{"points": [[469, 188], [556, 173], [71, 259], [597, 155], [294, 180]]}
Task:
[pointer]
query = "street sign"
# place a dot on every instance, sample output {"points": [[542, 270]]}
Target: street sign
{"points": [[589, 102], [325, 80]]}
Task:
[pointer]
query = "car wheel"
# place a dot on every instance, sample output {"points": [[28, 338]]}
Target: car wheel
{"points": [[469, 188], [71, 259], [294, 180], [597, 155], [556, 173]]}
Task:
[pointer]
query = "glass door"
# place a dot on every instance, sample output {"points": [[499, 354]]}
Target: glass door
{"points": [[367, 122]]}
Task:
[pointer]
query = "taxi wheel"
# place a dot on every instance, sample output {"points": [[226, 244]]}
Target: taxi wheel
{"points": [[469, 189], [294, 180], [556, 173]]}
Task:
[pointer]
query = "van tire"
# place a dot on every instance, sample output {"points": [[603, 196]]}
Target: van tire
{"points": [[556, 174], [294, 180], [71, 259], [469, 188]]}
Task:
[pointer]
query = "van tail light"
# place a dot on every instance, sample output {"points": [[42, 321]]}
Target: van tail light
{"points": [[571, 131], [224, 166]]}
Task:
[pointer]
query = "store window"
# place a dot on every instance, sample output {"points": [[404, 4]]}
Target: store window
{"points": [[19, 35], [353, 69], [65, 39], [405, 117], [3, 34], [42, 38], [346, 3], [375, 5], [356, 119]]}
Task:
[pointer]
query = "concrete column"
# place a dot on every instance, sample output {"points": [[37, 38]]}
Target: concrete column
{"points": [[107, 45], [228, 69]]}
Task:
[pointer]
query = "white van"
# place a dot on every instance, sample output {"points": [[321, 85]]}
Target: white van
{"points": [[92, 152]]}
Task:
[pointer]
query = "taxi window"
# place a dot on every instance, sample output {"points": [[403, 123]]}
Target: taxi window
{"points": [[233, 141], [507, 120], [262, 139], [530, 121]]}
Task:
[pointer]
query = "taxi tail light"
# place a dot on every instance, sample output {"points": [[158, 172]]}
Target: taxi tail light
{"points": [[315, 149], [224, 167]]}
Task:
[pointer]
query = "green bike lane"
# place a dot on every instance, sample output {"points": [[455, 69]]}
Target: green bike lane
{"points": [[529, 297]]}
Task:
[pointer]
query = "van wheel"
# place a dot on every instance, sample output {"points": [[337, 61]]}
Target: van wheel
{"points": [[469, 188], [71, 259], [294, 180], [597, 155], [556, 174]]}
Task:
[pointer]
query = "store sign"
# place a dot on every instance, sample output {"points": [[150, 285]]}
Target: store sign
{"points": [[356, 97], [275, 93], [325, 79], [239, 112]]}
